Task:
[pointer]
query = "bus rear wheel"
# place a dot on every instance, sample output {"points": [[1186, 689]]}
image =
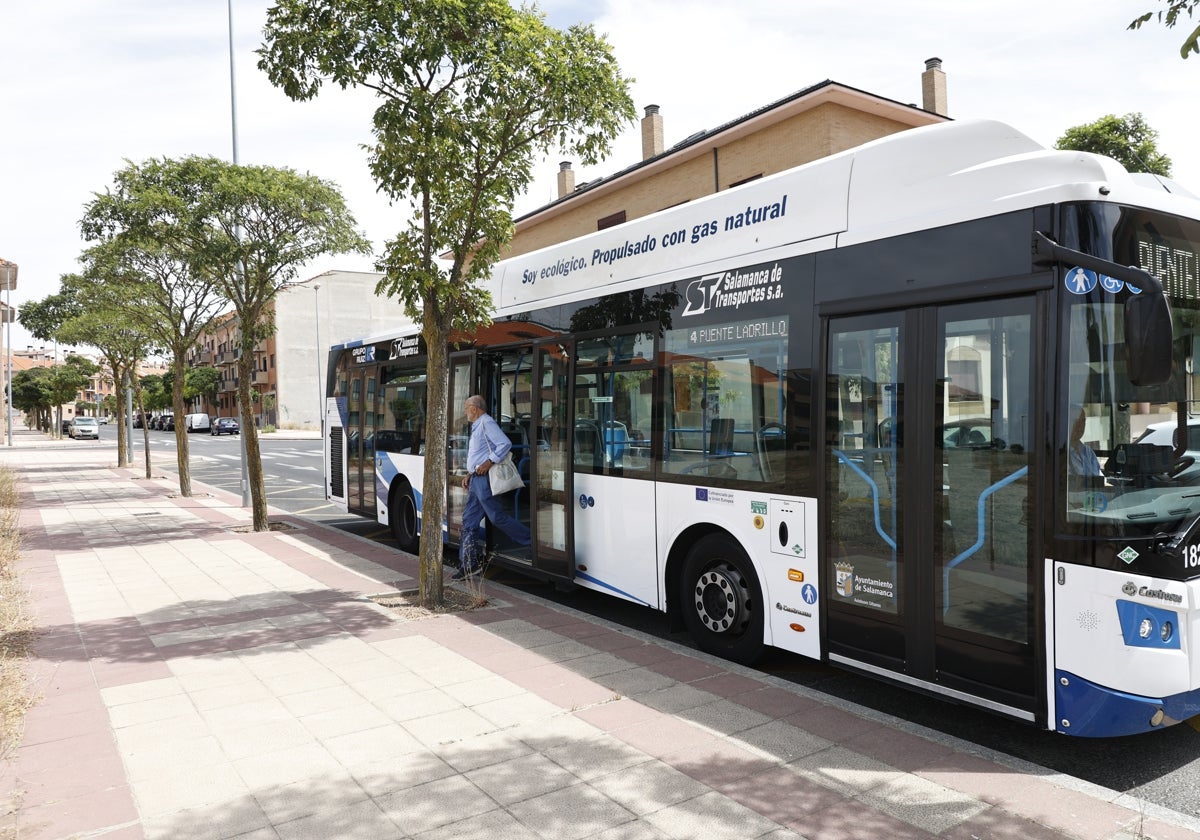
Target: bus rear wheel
{"points": [[402, 518], [721, 600]]}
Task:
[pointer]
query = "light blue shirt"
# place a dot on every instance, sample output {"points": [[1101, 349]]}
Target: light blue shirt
{"points": [[1084, 460], [487, 442]]}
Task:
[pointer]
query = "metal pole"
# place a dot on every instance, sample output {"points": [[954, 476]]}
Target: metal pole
{"points": [[320, 385], [8, 322], [128, 417], [246, 500]]}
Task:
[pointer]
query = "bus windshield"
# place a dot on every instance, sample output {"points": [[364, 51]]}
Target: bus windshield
{"points": [[1130, 456]]}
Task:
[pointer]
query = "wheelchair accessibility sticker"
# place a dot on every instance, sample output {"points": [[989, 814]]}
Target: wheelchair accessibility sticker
{"points": [[1081, 281]]}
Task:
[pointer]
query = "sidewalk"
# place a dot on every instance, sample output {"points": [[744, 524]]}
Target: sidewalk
{"points": [[200, 682]]}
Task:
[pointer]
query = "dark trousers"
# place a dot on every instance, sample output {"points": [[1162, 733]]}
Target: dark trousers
{"points": [[481, 503]]}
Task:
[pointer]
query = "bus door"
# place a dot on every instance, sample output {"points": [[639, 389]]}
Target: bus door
{"points": [[527, 389], [458, 433], [930, 560], [360, 465], [551, 481]]}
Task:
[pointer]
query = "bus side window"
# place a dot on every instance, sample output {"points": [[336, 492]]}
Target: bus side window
{"points": [[724, 408]]}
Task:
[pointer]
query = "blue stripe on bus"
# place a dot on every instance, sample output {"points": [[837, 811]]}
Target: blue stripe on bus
{"points": [[610, 587], [981, 530]]}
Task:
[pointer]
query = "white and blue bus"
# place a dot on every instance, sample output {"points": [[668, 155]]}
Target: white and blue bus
{"points": [[841, 411]]}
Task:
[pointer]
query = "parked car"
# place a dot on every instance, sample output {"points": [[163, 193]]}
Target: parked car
{"points": [[104, 421], [84, 427], [168, 423], [226, 426], [66, 426], [197, 423]]}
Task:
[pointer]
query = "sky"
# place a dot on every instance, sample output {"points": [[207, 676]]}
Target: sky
{"points": [[86, 85]]}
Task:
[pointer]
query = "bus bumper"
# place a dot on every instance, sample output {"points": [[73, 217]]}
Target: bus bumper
{"points": [[1088, 710]]}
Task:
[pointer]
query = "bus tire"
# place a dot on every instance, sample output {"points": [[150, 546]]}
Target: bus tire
{"points": [[721, 600], [402, 519]]}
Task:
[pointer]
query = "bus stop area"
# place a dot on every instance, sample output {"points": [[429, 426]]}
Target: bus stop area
{"points": [[197, 680]]}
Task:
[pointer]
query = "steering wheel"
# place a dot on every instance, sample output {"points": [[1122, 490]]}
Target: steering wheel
{"points": [[1175, 471], [1181, 466]]}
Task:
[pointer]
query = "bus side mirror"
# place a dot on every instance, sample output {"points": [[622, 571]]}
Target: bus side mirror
{"points": [[1148, 333]]}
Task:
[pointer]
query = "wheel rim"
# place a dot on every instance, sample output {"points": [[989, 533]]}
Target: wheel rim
{"points": [[722, 600]]}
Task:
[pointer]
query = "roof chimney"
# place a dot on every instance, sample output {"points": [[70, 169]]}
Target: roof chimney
{"points": [[933, 87], [652, 133], [566, 179]]}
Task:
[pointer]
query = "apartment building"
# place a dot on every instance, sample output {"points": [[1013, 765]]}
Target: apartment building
{"points": [[290, 366]]}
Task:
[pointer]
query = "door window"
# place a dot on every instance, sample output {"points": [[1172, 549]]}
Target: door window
{"points": [[864, 463]]}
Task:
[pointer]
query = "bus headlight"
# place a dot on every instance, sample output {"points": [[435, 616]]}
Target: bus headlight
{"points": [[1145, 626]]}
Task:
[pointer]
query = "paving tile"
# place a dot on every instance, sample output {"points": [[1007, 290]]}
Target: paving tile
{"points": [[784, 797], [454, 725], [292, 764], [137, 692], [782, 741], [843, 770], [188, 787], [260, 738], [81, 815], [164, 758], [514, 710], [435, 804], [360, 821], [569, 813], [234, 818], [393, 775], [520, 778], [711, 816], [343, 720], [371, 745], [648, 787], [282, 803], [487, 826], [588, 759], [483, 750], [923, 803]]}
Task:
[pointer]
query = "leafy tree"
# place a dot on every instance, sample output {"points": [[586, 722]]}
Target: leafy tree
{"points": [[67, 380], [470, 95], [247, 229], [156, 395], [172, 295], [31, 394], [1127, 140], [204, 382], [1170, 16]]}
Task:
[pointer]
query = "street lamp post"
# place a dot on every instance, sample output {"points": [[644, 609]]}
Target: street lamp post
{"points": [[9, 283], [246, 500]]}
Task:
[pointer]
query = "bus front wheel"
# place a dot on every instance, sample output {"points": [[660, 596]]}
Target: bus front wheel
{"points": [[721, 600], [402, 518]]}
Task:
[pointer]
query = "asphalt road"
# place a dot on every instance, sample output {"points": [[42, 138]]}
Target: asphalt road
{"points": [[1161, 768]]}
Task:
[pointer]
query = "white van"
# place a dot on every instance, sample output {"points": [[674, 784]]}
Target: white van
{"points": [[197, 423]]}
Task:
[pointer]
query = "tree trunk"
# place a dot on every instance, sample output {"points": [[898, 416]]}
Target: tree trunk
{"points": [[182, 462], [140, 408], [119, 392], [433, 499], [249, 432]]}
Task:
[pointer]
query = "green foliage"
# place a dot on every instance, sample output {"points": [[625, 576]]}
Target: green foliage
{"points": [[1127, 140], [202, 382], [1170, 16], [155, 395], [470, 96]]}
